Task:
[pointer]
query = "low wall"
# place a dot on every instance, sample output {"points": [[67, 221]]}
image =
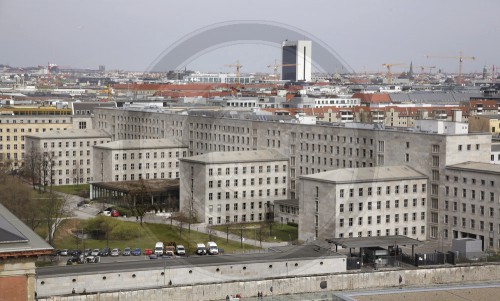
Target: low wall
{"points": [[186, 275], [304, 284]]}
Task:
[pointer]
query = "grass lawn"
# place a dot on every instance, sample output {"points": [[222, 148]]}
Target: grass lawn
{"points": [[280, 232], [150, 234], [73, 189]]}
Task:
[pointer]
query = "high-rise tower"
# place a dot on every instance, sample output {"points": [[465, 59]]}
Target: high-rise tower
{"points": [[296, 60]]}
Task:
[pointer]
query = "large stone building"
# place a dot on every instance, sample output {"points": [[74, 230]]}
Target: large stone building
{"points": [[232, 187], [471, 202], [124, 160], [314, 148], [64, 157], [363, 202]]}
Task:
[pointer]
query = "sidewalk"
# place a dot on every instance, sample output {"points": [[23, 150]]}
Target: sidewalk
{"points": [[202, 227]]}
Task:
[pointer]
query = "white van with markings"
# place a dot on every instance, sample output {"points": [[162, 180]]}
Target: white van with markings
{"points": [[159, 248], [212, 248]]}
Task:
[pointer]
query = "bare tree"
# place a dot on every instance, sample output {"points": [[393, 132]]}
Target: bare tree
{"points": [[32, 166], [53, 209], [47, 171]]}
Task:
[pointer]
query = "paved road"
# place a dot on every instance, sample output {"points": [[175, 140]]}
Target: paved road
{"points": [[274, 254]]}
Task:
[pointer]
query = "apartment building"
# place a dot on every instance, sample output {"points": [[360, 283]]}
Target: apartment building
{"points": [[66, 156], [471, 206], [124, 160], [14, 128], [363, 202], [233, 187], [314, 148]]}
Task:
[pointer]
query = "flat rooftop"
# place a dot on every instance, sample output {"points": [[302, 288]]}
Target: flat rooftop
{"points": [[266, 155], [476, 167], [367, 174], [374, 241], [141, 144]]}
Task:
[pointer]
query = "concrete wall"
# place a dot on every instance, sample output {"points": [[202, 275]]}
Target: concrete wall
{"points": [[186, 275], [295, 285]]}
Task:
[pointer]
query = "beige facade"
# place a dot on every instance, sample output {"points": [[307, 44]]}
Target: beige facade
{"points": [[233, 187], [67, 154], [14, 128], [363, 202], [125, 160], [485, 124], [471, 206]]}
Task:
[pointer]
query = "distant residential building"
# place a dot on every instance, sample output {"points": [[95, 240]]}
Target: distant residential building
{"points": [[485, 124], [363, 202], [67, 155], [233, 187], [495, 152], [125, 160], [14, 128]]}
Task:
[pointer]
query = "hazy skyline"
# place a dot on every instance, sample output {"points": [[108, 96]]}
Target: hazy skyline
{"points": [[129, 35]]}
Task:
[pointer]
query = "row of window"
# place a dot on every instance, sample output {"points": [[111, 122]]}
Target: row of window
{"points": [[473, 208], [481, 196], [147, 155], [369, 205], [244, 170], [472, 180], [74, 144], [388, 190], [387, 232], [243, 194], [148, 176], [147, 165], [378, 219], [244, 182], [236, 218], [471, 223], [252, 205]]}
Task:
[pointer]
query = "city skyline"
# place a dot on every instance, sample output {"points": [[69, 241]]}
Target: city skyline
{"points": [[122, 35]]}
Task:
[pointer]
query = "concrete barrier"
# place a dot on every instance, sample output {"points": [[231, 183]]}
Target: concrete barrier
{"points": [[302, 284]]}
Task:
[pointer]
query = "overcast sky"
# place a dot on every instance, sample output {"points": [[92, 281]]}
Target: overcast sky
{"points": [[130, 35]]}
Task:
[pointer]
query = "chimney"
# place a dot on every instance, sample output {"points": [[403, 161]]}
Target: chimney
{"points": [[456, 115]]}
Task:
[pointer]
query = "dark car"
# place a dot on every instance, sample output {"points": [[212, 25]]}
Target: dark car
{"points": [[75, 253], [87, 252], [136, 252], [105, 252]]}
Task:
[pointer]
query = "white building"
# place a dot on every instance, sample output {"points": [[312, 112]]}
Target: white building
{"points": [[297, 60], [233, 187], [125, 160], [67, 155], [363, 202]]}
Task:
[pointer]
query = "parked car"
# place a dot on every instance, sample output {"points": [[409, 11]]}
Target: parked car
{"points": [[95, 252], [115, 213], [127, 251], [115, 252], [63, 252], [212, 248], [136, 252], [105, 252], [148, 251], [87, 252], [75, 252]]}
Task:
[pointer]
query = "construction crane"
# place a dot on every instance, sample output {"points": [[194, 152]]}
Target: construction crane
{"points": [[275, 69], [460, 58], [389, 74], [238, 66], [422, 69]]}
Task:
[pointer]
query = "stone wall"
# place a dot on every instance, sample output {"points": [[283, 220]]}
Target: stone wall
{"points": [[305, 284]]}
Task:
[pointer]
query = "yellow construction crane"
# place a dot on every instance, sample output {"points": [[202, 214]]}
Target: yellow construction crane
{"points": [[238, 67], [389, 74], [460, 58], [276, 66]]}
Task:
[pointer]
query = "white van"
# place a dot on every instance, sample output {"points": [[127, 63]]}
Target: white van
{"points": [[180, 250], [159, 248], [212, 248], [200, 249]]}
